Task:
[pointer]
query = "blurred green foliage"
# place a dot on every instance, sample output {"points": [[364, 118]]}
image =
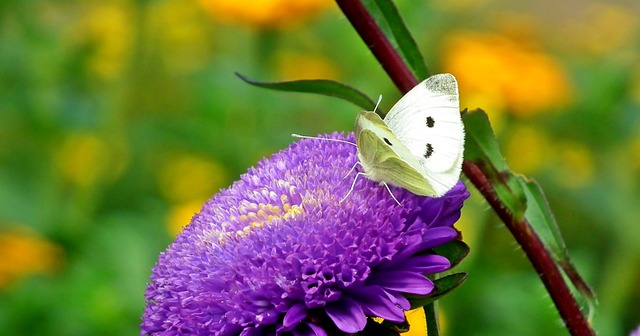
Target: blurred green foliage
{"points": [[116, 117]]}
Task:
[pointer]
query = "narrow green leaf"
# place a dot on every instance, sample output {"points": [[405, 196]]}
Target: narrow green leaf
{"points": [[523, 198], [481, 148], [406, 43], [543, 222], [443, 286], [455, 251], [318, 86]]}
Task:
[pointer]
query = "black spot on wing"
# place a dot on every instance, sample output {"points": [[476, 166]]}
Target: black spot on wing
{"points": [[430, 122], [429, 151], [387, 141]]}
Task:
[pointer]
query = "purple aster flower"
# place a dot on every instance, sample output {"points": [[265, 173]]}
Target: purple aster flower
{"points": [[279, 253], [635, 332]]}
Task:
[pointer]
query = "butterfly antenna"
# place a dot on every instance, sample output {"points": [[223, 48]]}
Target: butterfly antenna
{"points": [[378, 103], [319, 138], [390, 193]]}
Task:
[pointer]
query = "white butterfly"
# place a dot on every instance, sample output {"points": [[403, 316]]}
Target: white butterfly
{"points": [[419, 145]]}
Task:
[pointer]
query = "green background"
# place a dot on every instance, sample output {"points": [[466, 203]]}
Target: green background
{"points": [[99, 99]]}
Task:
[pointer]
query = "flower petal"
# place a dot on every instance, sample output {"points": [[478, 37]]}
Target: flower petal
{"points": [[403, 281], [295, 315], [347, 315], [310, 329], [438, 236], [423, 264], [376, 302], [278, 247]]}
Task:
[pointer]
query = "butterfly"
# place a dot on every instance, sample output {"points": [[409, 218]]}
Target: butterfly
{"points": [[419, 144]]}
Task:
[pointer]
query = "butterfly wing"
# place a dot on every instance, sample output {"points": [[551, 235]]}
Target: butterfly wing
{"points": [[427, 121], [385, 159]]}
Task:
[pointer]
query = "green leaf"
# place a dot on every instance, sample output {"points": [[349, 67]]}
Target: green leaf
{"points": [[481, 149], [318, 86], [455, 251], [406, 44], [524, 199], [543, 222], [443, 286]]}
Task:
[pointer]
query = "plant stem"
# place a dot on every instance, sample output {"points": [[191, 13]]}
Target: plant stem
{"points": [[430, 312], [539, 257], [378, 43]]}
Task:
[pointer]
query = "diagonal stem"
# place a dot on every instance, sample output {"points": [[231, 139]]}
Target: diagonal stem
{"points": [[539, 257], [378, 43]]}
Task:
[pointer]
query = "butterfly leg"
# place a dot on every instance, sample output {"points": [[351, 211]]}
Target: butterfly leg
{"points": [[352, 186], [390, 193], [351, 170]]}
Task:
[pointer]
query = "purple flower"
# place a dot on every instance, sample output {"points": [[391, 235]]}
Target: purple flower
{"points": [[279, 253], [635, 332]]}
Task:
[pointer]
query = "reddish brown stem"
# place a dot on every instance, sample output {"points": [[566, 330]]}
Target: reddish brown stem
{"points": [[539, 257], [378, 43]]}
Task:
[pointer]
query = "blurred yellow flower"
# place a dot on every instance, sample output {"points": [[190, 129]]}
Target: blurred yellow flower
{"points": [[85, 158], [472, 213], [264, 13], [634, 90], [516, 75], [460, 5], [601, 28], [23, 253], [635, 153], [180, 215], [105, 29], [305, 66], [527, 149], [188, 177], [576, 164], [179, 29]]}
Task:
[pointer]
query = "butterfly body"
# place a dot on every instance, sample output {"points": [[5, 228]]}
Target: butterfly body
{"points": [[419, 144]]}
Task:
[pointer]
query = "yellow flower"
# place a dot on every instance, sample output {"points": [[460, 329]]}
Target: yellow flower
{"points": [[516, 75], [179, 29], [303, 66], [105, 28], [188, 177], [576, 166], [601, 28], [473, 212], [527, 149], [264, 13], [635, 153], [85, 158], [460, 5], [634, 90], [417, 322], [180, 216], [23, 253]]}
